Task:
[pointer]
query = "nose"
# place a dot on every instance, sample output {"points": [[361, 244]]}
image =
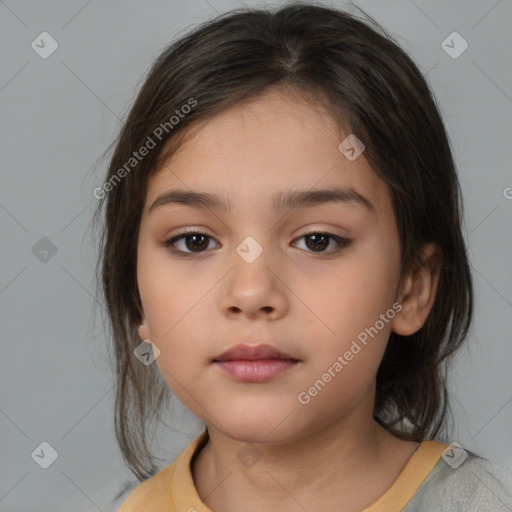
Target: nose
{"points": [[254, 290]]}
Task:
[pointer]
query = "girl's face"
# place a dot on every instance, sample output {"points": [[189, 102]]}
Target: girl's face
{"points": [[253, 276]]}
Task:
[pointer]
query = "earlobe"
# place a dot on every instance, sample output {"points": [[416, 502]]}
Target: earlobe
{"points": [[144, 331], [418, 292]]}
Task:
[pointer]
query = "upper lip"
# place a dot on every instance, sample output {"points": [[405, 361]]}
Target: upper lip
{"points": [[252, 352]]}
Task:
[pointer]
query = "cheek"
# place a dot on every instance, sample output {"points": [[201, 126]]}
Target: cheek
{"points": [[166, 292], [174, 306], [350, 315], [353, 295]]}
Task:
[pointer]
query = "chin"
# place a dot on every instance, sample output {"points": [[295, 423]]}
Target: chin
{"points": [[257, 427]]}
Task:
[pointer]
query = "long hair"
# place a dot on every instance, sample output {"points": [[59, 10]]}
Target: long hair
{"points": [[366, 82]]}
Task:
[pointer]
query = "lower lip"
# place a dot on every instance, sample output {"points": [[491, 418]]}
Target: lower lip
{"points": [[257, 370]]}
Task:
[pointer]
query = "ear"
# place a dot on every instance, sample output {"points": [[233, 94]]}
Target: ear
{"points": [[418, 292], [144, 331]]}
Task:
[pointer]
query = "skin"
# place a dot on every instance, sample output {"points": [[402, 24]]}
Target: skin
{"points": [[308, 303]]}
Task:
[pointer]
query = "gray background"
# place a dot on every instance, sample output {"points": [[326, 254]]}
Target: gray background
{"points": [[57, 117]]}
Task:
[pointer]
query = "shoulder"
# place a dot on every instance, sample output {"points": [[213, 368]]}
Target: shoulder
{"points": [[172, 484], [152, 494], [479, 484], [471, 483]]}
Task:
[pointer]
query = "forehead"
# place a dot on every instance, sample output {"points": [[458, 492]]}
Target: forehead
{"points": [[278, 142]]}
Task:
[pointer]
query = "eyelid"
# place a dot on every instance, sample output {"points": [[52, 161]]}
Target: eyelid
{"points": [[183, 234], [343, 242]]}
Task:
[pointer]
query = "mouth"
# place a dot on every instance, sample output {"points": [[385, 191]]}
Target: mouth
{"points": [[261, 363]]}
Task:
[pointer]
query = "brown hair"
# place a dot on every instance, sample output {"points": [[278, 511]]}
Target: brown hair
{"points": [[367, 83]]}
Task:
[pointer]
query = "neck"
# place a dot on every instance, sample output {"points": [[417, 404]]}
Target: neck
{"points": [[324, 469]]}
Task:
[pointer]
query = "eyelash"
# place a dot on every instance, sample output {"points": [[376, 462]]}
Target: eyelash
{"points": [[341, 241]]}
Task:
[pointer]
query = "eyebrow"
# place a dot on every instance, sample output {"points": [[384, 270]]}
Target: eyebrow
{"points": [[281, 201]]}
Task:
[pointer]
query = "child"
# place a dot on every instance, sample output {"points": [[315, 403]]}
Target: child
{"points": [[283, 234]]}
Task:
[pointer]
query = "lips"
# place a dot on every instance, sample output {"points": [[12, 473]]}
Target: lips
{"points": [[248, 363], [252, 353]]}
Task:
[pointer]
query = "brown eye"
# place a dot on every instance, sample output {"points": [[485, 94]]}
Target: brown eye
{"points": [[196, 243], [318, 242], [193, 242]]}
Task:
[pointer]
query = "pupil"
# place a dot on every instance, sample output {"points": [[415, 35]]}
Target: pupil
{"points": [[315, 239], [199, 246]]}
